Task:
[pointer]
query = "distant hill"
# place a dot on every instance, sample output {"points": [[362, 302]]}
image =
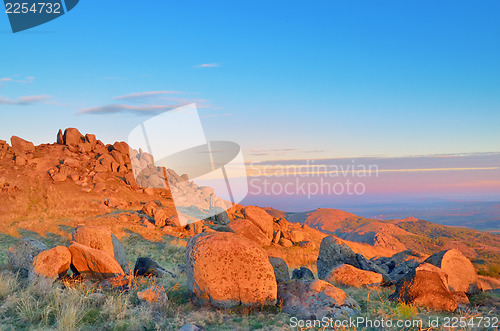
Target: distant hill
{"points": [[482, 248]]}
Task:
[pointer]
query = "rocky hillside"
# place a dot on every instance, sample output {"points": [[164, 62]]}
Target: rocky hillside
{"points": [[79, 180], [482, 248], [90, 232]]}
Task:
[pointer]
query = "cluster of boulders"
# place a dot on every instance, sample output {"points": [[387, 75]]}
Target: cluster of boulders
{"points": [[442, 281], [258, 225], [226, 269], [94, 255]]}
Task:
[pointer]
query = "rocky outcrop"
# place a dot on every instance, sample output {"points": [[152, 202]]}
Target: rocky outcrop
{"points": [[52, 263], [462, 276], [261, 219], [93, 264], [280, 269], [351, 276], [101, 238], [249, 230], [315, 300], [226, 270], [20, 255], [425, 286], [333, 253], [21, 145]]}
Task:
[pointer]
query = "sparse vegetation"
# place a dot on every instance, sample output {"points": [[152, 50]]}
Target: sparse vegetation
{"points": [[76, 306]]}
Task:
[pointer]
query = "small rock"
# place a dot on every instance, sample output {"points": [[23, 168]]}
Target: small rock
{"points": [[302, 273], [285, 242], [145, 266], [296, 236], [153, 294], [307, 245], [192, 327]]}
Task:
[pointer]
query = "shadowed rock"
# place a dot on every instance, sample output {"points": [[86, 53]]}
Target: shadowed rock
{"points": [[315, 300], [280, 269], [145, 266], [20, 255], [302, 273], [226, 270], [425, 286], [333, 253]]}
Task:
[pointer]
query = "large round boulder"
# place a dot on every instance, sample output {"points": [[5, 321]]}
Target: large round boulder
{"points": [[425, 286], [462, 276], [226, 270]]}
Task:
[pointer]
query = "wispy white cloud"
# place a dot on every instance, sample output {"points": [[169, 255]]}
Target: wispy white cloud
{"points": [[147, 103], [208, 65], [27, 80], [121, 108], [25, 101], [145, 95]]}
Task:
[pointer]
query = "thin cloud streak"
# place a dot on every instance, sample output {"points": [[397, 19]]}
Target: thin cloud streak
{"points": [[25, 101], [208, 65], [145, 94], [121, 108]]}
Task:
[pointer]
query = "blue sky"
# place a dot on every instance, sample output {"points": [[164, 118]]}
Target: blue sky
{"points": [[289, 79]]}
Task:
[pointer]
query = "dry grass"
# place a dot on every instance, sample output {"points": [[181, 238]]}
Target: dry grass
{"points": [[43, 305]]}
